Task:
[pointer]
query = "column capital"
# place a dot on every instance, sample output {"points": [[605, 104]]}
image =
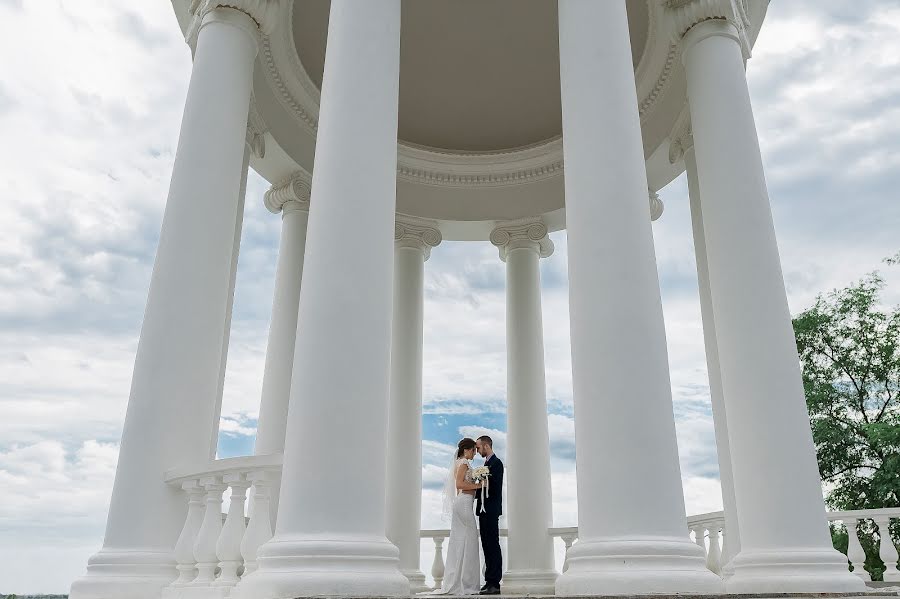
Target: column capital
{"points": [[290, 194], [416, 233], [687, 14], [528, 233], [265, 14], [656, 205]]}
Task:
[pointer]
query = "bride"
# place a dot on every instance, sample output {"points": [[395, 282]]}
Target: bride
{"points": [[462, 572]]}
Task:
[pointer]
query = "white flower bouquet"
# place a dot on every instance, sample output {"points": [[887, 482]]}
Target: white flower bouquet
{"points": [[479, 475]]}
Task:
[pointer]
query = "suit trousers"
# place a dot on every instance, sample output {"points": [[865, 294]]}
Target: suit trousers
{"points": [[489, 526]]}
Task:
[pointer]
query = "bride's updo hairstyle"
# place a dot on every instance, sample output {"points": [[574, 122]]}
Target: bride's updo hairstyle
{"points": [[463, 446]]}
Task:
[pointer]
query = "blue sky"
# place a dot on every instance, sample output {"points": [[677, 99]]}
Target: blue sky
{"points": [[90, 105]]}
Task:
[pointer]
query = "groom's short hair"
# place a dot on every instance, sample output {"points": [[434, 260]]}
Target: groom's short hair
{"points": [[486, 439]]}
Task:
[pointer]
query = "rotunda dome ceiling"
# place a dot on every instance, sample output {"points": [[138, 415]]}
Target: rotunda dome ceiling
{"points": [[475, 75]]}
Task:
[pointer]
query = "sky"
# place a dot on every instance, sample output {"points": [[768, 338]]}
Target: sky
{"points": [[90, 105]]}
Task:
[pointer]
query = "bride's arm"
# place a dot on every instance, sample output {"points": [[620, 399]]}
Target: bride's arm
{"points": [[461, 483]]}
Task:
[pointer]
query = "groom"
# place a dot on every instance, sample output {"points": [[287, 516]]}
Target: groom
{"points": [[488, 521]]}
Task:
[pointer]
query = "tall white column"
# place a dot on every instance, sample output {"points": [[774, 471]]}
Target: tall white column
{"points": [[632, 527], [330, 532], [171, 417], [531, 562], [785, 545], [291, 198], [683, 147], [413, 241]]}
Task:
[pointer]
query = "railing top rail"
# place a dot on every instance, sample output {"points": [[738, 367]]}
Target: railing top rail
{"points": [[224, 466], [441, 533], [890, 512]]}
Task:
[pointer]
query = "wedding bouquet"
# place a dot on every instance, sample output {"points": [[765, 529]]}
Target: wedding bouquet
{"points": [[481, 473]]}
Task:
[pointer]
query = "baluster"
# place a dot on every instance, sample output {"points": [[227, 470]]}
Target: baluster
{"points": [[726, 547], [714, 555], [259, 530], [699, 534], [437, 566], [184, 547], [208, 535], [568, 540], [228, 547], [855, 553], [886, 550]]}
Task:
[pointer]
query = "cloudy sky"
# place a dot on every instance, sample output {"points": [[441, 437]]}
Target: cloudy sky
{"points": [[90, 105]]}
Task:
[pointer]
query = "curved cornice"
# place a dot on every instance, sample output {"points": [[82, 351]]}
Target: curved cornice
{"points": [[299, 96]]}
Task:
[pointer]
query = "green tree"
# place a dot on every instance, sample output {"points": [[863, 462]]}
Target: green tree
{"points": [[849, 347]]}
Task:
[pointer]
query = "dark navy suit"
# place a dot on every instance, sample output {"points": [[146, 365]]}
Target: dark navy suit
{"points": [[489, 522]]}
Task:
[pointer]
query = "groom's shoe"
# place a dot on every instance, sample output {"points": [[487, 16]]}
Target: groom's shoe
{"points": [[490, 590], [483, 587]]}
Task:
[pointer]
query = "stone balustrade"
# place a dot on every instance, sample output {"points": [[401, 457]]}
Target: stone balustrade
{"points": [[708, 531], [213, 552], [886, 549]]}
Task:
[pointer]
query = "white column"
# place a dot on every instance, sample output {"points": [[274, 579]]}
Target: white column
{"points": [[531, 565], [413, 241], [785, 545], [172, 409], [632, 527], [732, 542], [291, 198], [330, 532]]}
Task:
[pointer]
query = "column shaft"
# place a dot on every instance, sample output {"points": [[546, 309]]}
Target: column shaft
{"points": [[632, 528], [404, 479], [717, 399], [531, 561], [276, 386], [785, 545], [171, 417], [330, 531]]}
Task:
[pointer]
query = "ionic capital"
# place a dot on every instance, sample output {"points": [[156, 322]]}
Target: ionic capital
{"points": [[265, 14], [416, 233], [291, 194], [529, 233], [686, 14], [656, 205]]}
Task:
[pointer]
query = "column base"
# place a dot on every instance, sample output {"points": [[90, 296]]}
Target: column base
{"points": [[416, 581], [529, 582], [206, 592], [316, 566], [792, 571], [136, 574], [667, 565]]}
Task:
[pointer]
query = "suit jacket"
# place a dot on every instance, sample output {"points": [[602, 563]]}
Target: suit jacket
{"points": [[493, 504]]}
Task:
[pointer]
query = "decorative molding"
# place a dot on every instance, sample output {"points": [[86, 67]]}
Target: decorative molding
{"points": [[656, 205], [416, 233], [681, 139], [686, 14], [256, 131], [430, 166], [290, 194], [267, 14], [280, 86], [528, 233]]}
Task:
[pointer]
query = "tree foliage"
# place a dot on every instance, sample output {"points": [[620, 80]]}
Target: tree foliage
{"points": [[850, 352], [849, 347]]}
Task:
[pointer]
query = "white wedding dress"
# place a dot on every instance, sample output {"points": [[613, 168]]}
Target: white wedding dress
{"points": [[462, 570]]}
